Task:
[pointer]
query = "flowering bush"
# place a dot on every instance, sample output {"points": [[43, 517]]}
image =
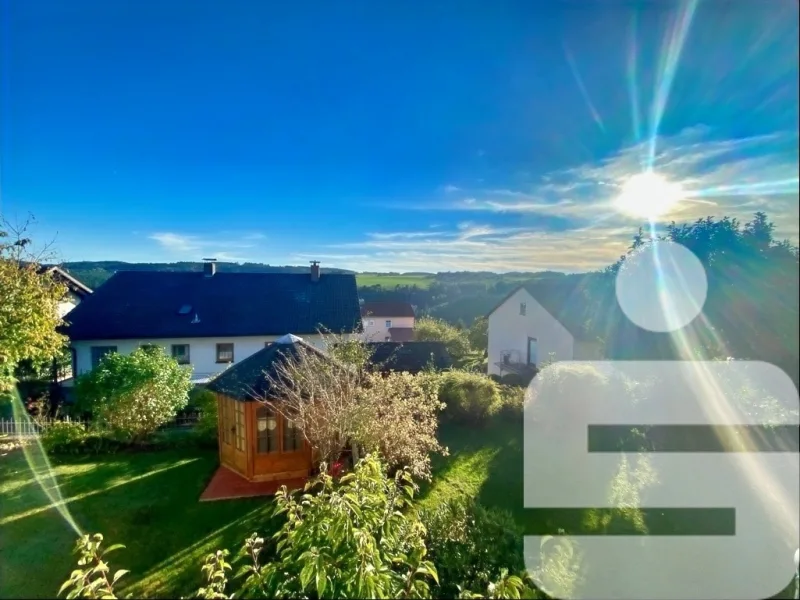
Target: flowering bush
{"points": [[132, 395]]}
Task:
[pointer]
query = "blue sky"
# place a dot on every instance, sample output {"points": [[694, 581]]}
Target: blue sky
{"points": [[389, 136]]}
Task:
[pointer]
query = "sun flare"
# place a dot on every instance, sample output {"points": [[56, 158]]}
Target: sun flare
{"points": [[648, 195]]}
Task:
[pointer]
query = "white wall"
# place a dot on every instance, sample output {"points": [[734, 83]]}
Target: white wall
{"points": [[70, 301], [508, 330], [378, 332], [202, 351]]}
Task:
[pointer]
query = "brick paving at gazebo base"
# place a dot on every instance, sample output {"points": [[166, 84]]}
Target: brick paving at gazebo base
{"points": [[227, 485]]}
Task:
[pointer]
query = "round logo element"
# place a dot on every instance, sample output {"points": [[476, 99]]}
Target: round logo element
{"points": [[662, 286]]}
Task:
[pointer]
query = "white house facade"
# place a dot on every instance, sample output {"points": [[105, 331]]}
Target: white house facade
{"points": [[206, 357], [387, 321], [523, 334]]}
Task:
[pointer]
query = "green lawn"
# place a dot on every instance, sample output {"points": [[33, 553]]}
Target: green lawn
{"points": [[148, 501], [392, 281]]}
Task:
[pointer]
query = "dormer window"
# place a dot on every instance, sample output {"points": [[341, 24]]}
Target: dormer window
{"points": [[185, 309], [523, 308]]}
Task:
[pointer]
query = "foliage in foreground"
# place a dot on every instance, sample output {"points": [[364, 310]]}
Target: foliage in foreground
{"points": [[133, 394], [359, 537], [91, 578], [471, 545]]}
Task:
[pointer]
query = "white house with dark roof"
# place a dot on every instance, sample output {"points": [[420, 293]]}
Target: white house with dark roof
{"points": [[209, 320], [523, 333]]}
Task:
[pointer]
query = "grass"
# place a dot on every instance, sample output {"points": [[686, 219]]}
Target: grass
{"points": [[147, 501], [391, 281]]}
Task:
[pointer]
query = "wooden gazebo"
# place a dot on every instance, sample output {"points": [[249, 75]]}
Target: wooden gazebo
{"points": [[254, 440]]}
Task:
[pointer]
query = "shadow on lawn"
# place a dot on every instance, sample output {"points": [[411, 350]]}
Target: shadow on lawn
{"points": [[149, 502]]}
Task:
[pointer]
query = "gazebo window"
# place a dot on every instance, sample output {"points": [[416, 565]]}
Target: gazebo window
{"points": [[267, 429], [292, 436], [240, 429]]}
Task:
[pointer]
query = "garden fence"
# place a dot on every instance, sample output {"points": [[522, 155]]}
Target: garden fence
{"points": [[31, 427]]}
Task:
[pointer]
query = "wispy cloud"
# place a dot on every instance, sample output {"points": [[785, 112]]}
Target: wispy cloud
{"points": [[719, 177], [180, 246]]}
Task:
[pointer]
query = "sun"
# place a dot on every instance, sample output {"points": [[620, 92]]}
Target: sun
{"points": [[648, 195]]}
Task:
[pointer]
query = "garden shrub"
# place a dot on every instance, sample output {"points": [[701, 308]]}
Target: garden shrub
{"points": [[63, 437], [470, 398], [397, 416], [206, 403], [132, 395], [512, 402], [471, 545]]}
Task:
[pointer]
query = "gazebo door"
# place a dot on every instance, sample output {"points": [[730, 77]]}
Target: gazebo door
{"points": [[232, 435]]}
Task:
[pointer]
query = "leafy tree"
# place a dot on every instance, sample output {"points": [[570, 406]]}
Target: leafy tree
{"points": [[479, 334], [319, 394], [428, 329], [751, 305], [132, 395], [28, 306]]}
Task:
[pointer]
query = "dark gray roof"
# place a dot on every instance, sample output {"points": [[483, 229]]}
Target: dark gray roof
{"points": [[250, 378], [409, 356], [146, 304]]}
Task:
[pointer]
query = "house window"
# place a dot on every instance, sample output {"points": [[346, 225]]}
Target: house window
{"points": [[180, 352], [388, 322], [98, 352], [292, 437], [224, 353], [523, 308], [267, 430]]}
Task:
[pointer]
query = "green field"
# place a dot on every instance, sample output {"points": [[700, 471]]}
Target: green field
{"points": [[392, 281]]}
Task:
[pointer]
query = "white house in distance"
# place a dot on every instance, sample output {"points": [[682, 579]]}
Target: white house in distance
{"points": [[209, 320], [523, 334], [387, 321]]}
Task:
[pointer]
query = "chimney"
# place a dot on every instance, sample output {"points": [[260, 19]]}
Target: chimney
{"points": [[209, 266], [314, 270]]}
